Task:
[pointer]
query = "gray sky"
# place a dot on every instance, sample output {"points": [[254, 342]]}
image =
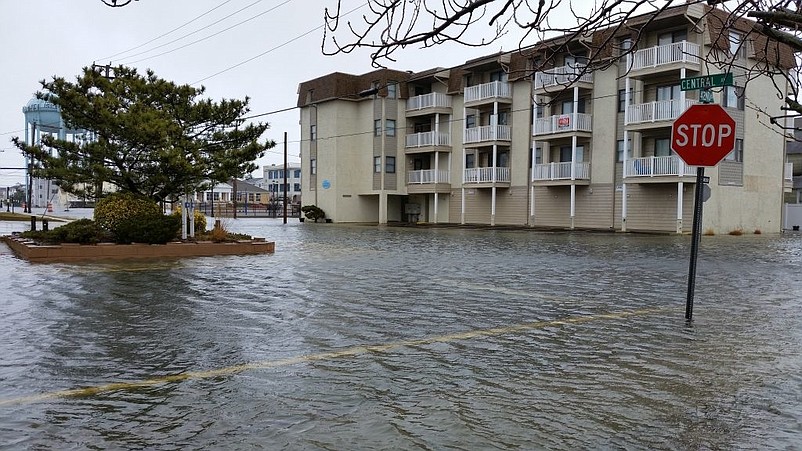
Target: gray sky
{"points": [[42, 38], [264, 58]]}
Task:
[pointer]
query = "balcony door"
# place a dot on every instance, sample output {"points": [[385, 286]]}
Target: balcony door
{"points": [[671, 38], [668, 101], [565, 154]]}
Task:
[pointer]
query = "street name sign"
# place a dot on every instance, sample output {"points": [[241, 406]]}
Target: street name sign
{"points": [[706, 81], [703, 135]]}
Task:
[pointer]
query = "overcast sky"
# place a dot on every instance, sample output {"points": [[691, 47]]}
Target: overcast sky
{"points": [[269, 47]]}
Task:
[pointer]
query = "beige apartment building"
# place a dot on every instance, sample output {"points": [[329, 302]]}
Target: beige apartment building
{"points": [[541, 138]]}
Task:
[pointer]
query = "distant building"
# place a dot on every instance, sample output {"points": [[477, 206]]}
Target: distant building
{"points": [[273, 181]]}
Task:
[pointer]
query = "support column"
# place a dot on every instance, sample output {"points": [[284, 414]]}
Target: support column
{"points": [[680, 188], [462, 206], [436, 180], [531, 183], [493, 189], [625, 157], [573, 177]]}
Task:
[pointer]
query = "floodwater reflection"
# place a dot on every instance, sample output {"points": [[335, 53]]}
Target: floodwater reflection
{"points": [[354, 337]]}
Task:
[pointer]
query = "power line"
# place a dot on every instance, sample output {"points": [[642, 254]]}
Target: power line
{"points": [[207, 37], [272, 49], [167, 33]]}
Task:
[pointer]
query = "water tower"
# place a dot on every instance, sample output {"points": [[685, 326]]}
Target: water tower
{"points": [[42, 116]]}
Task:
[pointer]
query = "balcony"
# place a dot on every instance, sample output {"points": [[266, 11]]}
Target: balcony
{"points": [[488, 92], [427, 176], [655, 169], [651, 112], [428, 104], [562, 123], [562, 77], [487, 175], [664, 56], [427, 142], [566, 171], [487, 133]]}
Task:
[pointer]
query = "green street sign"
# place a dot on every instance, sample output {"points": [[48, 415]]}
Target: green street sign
{"points": [[705, 96], [706, 81]]}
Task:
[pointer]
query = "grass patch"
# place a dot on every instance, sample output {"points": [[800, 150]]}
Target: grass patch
{"points": [[8, 216]]}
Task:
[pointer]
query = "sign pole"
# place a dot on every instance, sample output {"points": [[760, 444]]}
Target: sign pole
{"points": [[696, 235]]}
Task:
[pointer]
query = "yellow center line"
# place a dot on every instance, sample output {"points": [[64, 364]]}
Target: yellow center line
{"points": [[348, 352]]}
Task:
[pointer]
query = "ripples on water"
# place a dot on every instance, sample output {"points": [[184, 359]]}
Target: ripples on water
{"points": [[646, 381]]}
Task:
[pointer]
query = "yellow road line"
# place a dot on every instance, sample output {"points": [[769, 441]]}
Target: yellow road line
{"points": [[348, 352]]}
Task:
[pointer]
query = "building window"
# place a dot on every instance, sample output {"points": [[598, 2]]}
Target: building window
{"points": [[470, 161], [734, 97], [624, 45], [737, 153], [392, 90], [377, 127], [737, 47], [538, 110], [313, 166], [622, 98], [296, 187], [389, 165], [297, 173], [662, 147], [390, 127], [620, 154], [470, 121], [377, 165], [313, 132]]}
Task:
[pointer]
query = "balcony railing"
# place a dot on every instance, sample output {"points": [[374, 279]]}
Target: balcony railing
{"points": [[789, 172], [562, 76], [425, 139], [657, 166], [494, 89], [485, 175], [487, 133], [428, 176], [677, 52], [562, 171], [431, 100], [663, 110], [562, 123]]}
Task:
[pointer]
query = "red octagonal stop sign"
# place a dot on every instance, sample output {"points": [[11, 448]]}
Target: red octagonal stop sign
{"points": [[703, 135]]}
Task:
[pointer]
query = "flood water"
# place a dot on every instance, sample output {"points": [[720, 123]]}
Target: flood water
{"points": [[358, 337]]}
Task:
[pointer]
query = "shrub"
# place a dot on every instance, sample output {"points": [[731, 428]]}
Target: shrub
{"points": [[313, 212], [737, 232], [149, 229], [82, 231], [118, 209], [200, 220]]}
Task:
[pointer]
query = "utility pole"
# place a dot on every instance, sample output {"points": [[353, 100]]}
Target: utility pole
{"points": [[107, 68]]}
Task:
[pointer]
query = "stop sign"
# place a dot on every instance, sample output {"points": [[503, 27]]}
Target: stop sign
{"points": [[703, 135]]}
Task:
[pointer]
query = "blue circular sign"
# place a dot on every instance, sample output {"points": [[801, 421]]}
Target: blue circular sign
{"points": [[326, 184]]}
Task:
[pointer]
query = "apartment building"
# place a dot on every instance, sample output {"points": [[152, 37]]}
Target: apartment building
{"points": [[540, 138]]}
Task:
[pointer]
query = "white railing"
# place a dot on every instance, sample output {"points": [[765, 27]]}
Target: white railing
{"points": [[428, 139], [431, 100], [485, 175], [428, 176], [487, 133], [562, 171], [663, 110], [562, 76], [677, 52], [789, 172], [562, 123], [657, 166], [491, 90]]}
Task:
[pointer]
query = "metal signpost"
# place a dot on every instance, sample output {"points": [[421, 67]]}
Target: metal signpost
{"points": [[702, 136]]}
